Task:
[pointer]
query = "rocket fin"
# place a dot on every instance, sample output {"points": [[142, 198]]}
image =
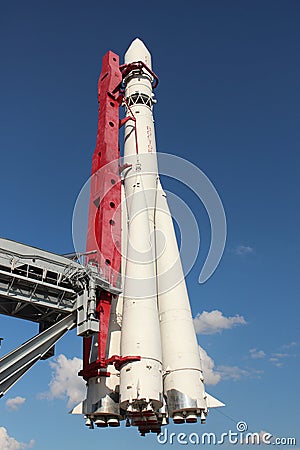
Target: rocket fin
{"points": [[213, 402], [78, 409]]}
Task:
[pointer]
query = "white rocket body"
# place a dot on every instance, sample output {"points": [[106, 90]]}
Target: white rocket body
{"points": [[156, 286], [141, 382]]}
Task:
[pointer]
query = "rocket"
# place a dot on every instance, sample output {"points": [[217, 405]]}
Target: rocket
{"points": [[141, 358]]}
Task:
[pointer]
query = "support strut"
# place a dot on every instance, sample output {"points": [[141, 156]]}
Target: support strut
{"points": [[16, 363]]}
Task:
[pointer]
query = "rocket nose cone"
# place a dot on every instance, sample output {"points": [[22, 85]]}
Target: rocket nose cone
{"points": [[138, 51]]}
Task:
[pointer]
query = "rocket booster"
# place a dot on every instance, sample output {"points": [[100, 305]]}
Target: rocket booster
{"points": [[159, 376]]}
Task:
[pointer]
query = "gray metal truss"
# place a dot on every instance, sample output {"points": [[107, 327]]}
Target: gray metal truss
{"points": [[37, 285], [52, 290], [14, 365]]}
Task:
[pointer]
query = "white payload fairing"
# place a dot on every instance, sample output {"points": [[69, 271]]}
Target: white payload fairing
{"points": [[157, 374]]}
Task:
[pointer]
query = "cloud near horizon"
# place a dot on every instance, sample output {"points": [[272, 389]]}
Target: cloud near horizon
{"points": [[288, 346], [65, 382], [9, 443], [243, 250], [276, 358], [14, 403], [257, 354], [236, 373], [214, 374], [211, 376], [214, 322]]}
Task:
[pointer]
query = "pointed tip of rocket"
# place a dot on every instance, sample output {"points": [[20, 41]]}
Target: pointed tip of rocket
{"points": [[137, 51]]}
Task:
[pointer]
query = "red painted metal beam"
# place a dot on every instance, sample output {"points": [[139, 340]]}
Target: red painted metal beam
{"points": [[104, 221], [103, 246]]}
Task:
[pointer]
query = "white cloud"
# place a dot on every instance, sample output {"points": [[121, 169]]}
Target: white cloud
{"points": [[232, 372], [214, 374], [243, 250], [276, 362], [65, 381], [214, 322], [282, 355], [236, 373], [14, 403], [288, 346], [208, 364], [256, 354], [277, 357], [9, 443]]}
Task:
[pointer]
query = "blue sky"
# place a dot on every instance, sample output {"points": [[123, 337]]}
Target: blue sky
{"points": [[228, 101]]}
